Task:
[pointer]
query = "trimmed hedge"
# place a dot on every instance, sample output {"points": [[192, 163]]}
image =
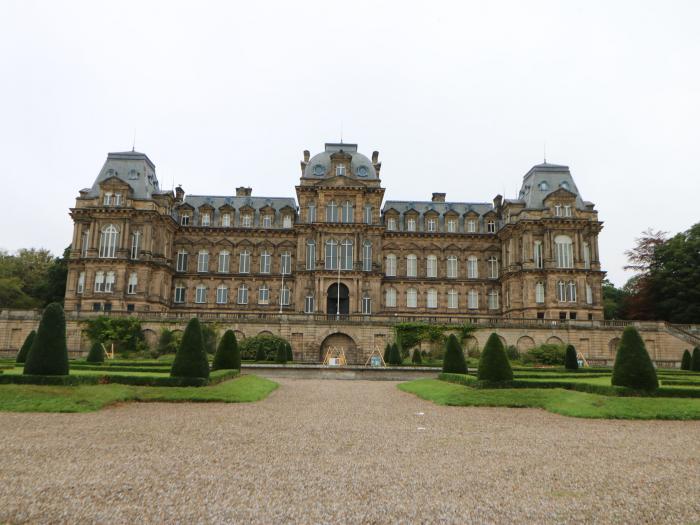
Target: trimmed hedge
{"points": [[29, 341], [191, 358], [494, 365], [261, 347], [633, 367], [97, 353], [108, 369], [227, 354], [570, 359], [695, 360], [165, 381], [686, 361], [416, 359], [460, 379], [49, 353], [454, 362]]}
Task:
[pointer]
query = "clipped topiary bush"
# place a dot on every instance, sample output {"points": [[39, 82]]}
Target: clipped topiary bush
{"points": [[191, 358], [546, 354], [512, 353], [395, 355], [686, 361], [96, 353], [22, 354], [387, 351], [261, 354], [227, 356], [290, 354], [494, 365], [262, 347], [633, 367], [570, 360], [281, 356], [417, 359], [48, 354], [695, 360], [454, 362]]}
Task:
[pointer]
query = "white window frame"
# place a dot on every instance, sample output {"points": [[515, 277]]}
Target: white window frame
{"points": [[206, 219], [85, 243], [226, 220], [432, 298], [564, 251], [539, 293], [179, 294], [135, 245], [390, 269], [332, 212], [80, 287], [471, 226], [285, 296], [493, 267], [244, 262], [491, 226], [411, 298], [432, 225], [200, 295], [368, 214], [538, 254], [473, 300], [347, 214], [287, 221], [367, 256], [221, 294], [110, 280], [431, 264], [309, 304], [586, 256], [185, 219], [181, 264], [109, 238], [132, 284], [390, 297], [242, 294], [472, 267], [224, 261], [411, 265], [311, 213], [346, 254], [410, 224], [493, 300], [452, 299], [391, 224], [265, 262], [331, 255], [589, 294], [202, 261], [310, 254], [452, 267], [246, 220], [451, 225], [267, 221], [263, 295], [286, 263], [366, 305]]}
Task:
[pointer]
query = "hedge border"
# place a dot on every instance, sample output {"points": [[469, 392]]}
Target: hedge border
{"points": [[215, 378]]}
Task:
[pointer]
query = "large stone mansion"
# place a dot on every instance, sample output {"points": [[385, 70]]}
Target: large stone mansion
{"points": [[339, 249]]}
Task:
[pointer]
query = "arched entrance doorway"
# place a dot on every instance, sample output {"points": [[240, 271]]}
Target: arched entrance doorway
{"points": [[338, 341], [338, 299]]}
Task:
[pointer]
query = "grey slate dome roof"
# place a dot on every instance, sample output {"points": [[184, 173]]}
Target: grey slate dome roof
{"points": [[132, 167], [319, 166], [544, 179]]}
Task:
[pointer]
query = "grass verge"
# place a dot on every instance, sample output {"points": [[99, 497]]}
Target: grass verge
{"points": [[87, 398], [556, 400]]}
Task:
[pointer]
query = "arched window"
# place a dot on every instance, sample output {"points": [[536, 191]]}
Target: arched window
{"points": [[493, 267], [390, 297], [284, 296], [286, 263], [544, 186], [310, 255], [411, 224], [366, 304], [224, 261], [201, 294], [203, 261], [346, 255], [244, 262], [452, 267], [561, 291], [108, 242], [135, 245], [589, 294], [452, 299], [472, 267], [473, 300], [431, 267], [221, 294], [181, 261], [571, 292], [347, 212], [539, 293], [331, 254], [564, 185], [263, 295], [331, 212], [242, 294], [493, 300], [432, 298], [411, 266], [133, 282], [563, 249], [411, 298], [586, 256], [265, 262], [390, 269], [367, 256], [179, 293]]}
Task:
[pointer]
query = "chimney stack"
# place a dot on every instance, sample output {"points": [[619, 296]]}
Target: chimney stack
{"points": [[179, 194], [307, 155], [242, 191], [375, 157], [439, 197]]}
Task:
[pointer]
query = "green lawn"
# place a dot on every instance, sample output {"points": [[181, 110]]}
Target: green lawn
{"points": [[559, 401], [36, 398]]}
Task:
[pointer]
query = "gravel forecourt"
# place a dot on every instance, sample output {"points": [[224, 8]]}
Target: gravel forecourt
{"points": [[328, 451]]}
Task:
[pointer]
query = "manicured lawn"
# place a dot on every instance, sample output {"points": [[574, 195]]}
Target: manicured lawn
{"points": [[559, 401], [35, 398]]}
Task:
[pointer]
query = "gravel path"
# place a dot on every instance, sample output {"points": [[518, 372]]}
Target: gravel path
{"points": [[344, 451]]}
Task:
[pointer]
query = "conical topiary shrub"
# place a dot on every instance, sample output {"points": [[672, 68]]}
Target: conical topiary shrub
{"points": [[454, 362], [281, 356], [394, 355], [191, 358], [22, 354], [260, 353], [48, 354], [633, 367], [290, 354], [96, 354], [387, 351], [570, 359], [494, 365], [695, 360], [417, 359], [686, 361], [228, 356]]}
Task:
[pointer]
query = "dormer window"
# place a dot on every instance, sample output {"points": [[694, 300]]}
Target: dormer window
{"points": [[557, 210], [432, 225], [226, 220], [564, 185], [287, 221], [246, 220], [267, 221], [451, 225], [117, 199], [185, 220], [567, 210], [206, 219], [340, 170], [544, 186], [471, 226], [391, 224], [107, 200], [411, 224], [491, 226]]}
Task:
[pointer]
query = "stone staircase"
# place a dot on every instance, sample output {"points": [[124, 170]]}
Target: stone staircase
{"points": [[685, 333]]}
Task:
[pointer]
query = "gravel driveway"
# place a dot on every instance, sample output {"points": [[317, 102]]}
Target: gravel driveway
{"points": [[344, 451]]}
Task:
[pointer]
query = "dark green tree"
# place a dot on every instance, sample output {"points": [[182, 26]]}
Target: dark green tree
{"points": [[686, 361], [613, 301], [209, 338], [454, 361], [290, 354], [191, 359], [395, 355], [167, 342], [227, 354], [417, 359], [281, 356], [49, 353], [22, 354], [96, 353], [633, 367], [570, 359], [695, 360], [387, 351], [494, 365], [260, 353]]}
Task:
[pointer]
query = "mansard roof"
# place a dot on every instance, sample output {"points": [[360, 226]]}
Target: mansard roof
{"points": [[440, 207], [319, 166], [254, 202], [544, 179], [132, 167]]}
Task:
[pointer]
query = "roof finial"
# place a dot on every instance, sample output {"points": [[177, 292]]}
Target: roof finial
{"points": [[544, 152], [133, 144], [341, 131]]}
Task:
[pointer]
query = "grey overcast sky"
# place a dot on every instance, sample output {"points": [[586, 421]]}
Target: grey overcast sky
{"points": [[457, 97]]}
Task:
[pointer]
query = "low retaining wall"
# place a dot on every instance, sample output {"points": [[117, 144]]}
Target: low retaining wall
{"points": [[389, 373]]}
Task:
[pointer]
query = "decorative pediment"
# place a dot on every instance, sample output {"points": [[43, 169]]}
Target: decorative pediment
{"points": [[338, 181], [185, 206], [561, 194]]}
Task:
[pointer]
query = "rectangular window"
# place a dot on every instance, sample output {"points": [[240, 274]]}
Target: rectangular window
{"points": [[265, 262], [347, 213], [432, 225], [471, 226], [135, 241], [203, 262], [586, 256], [346, 255], [411, 266], [452, 299], [391, 298], [431, 266], [85, 243], [267, 221], [107, 200], [432, 299], [81, 283], [567, 211], [331, 212], [367, 305], [243, 295], [491, 226], [224, 262], [181, 261], [311, 214], [287, 221], [411, 298], [309, 304], [185, 220], [221, 295], [493, 300], [133, 282], [537, 254], [311, 255], [493, 268], [331, 255], [263, 295], [226, 220], [557, 210], [206, 219], [451, 226], [589, 294], [179, 294], [368, 214], [473, 300], [367, 257], [539, 293], [472, 268], [391, 224], [117, 199], [109, 282], [284, 296], [390, 270], [286, 263], [411, 225], [201, 295], [452, 267], [246, 221], [244, 263]]}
